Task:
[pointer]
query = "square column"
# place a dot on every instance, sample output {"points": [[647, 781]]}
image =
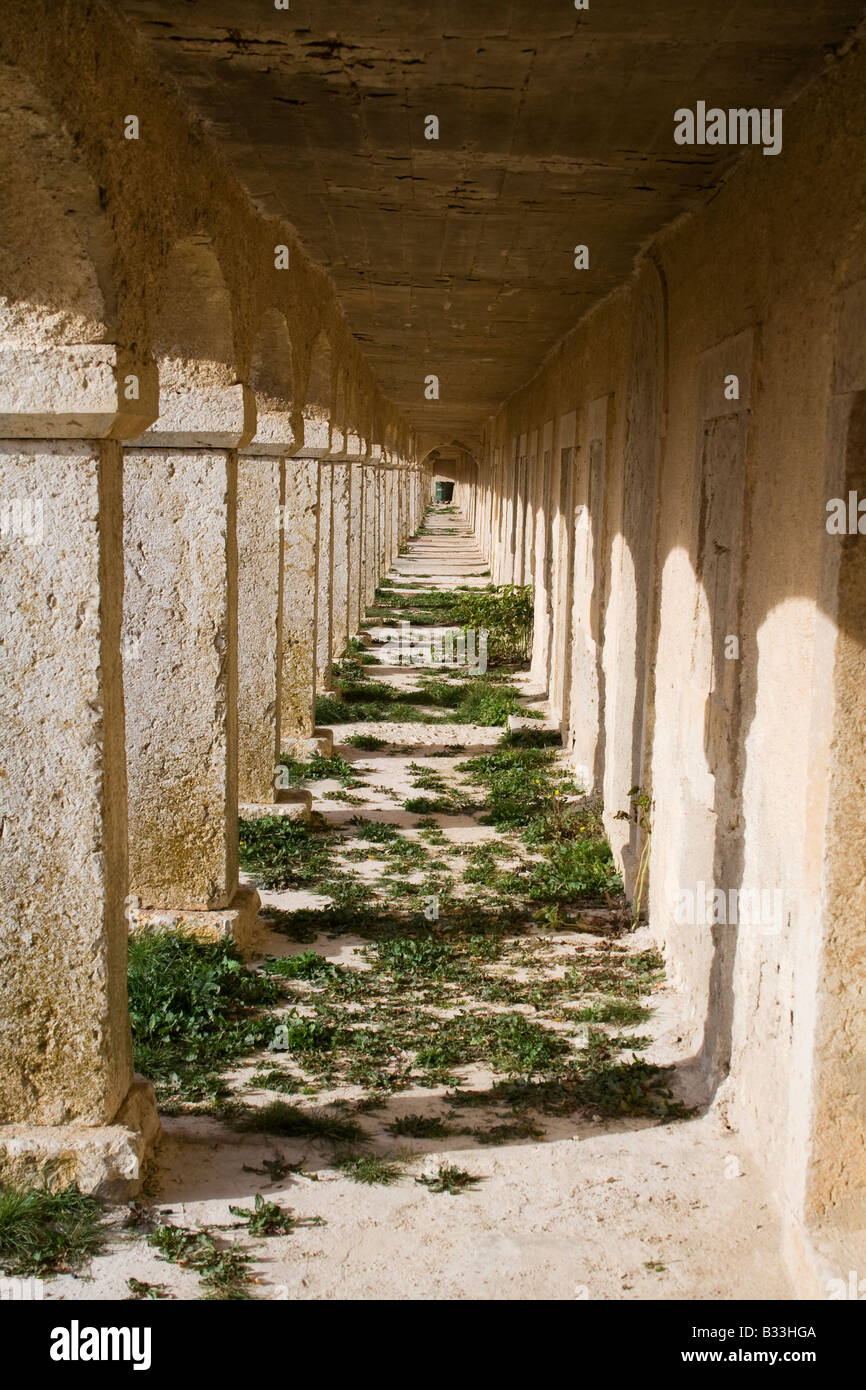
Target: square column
{"points": [[371, 518], [339, 559], [356, 536], [299, 622], [324, 562], [181, 688], [261, 489], [70, 1108]]}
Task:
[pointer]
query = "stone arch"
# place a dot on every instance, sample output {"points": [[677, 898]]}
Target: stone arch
{"points": [[55, 246], [272, 368], [319, 397], [192, 339], [192, 335]]}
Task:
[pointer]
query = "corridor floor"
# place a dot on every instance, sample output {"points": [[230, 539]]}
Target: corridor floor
{"points": [[557, 1189]]}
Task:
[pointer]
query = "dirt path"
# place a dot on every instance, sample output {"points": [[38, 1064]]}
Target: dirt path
{"points": [[453, 1018]]}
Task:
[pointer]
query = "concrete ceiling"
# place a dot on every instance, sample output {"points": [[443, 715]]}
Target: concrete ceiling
{"points": [[455, 256]]}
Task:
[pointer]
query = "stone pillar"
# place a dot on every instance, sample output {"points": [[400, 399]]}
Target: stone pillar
{"points": [[181, 689], [299, 626], [371, 515], [339, 559], [70, 1108], [381, 541], [324, 562], [356, 535], [389, 519], [261, 498]]}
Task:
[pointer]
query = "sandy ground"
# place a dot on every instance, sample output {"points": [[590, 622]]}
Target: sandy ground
{"points": [[627, 1209]]}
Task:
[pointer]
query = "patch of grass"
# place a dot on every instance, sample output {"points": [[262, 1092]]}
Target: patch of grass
{"points": [[531, 738], [621, 1011], [414, 955], [307, 965], [450, 1179], [276, 1080], [369, 1169], [368, 743], [291, 1122], [580, 870], [191, 1006], [510, 1130], [297, 772], [43, 1233], [420, 1127], [284, 854]]}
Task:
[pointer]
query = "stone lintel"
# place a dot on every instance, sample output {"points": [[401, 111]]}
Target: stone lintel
{"points": [[274, 436], [79, 391], [193, 416], [316, 442]]}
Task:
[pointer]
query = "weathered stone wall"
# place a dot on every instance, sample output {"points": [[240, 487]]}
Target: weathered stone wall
{"points": [[696, 646]]}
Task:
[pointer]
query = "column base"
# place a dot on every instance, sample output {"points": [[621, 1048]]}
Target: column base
{"points": [[106, 1161], [238, 922], [290, 804], [321, 741]]}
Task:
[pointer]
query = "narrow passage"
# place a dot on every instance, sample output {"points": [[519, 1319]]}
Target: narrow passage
{"points": [[452, 1070]]}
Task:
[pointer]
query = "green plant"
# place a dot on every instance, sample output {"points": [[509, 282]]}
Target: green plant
{"points": [[368, 743], [641, 811], [269, 1219], [420, 1127], [224, 1271], [44, 1232], [290, 1122], [369, 1169], [192, 1009], [139, 1290], [450, 1179], [282, 853]]}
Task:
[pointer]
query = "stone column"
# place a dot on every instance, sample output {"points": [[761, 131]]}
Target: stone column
{"points": [[356, 533], [340, 559], [299, 626], [181, 687], [261, 499], [382, 540], [324, 562], [389, 520], [70, 1108], [371, 516]]}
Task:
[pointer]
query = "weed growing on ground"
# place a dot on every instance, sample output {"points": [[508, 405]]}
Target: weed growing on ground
{"points": [[43, 1233], [450, 1179], [369, 1169], [195, 1009]]}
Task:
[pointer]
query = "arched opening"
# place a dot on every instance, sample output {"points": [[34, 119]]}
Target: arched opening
{"points": [[271, 374], [318, 398], [55, 250]]}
